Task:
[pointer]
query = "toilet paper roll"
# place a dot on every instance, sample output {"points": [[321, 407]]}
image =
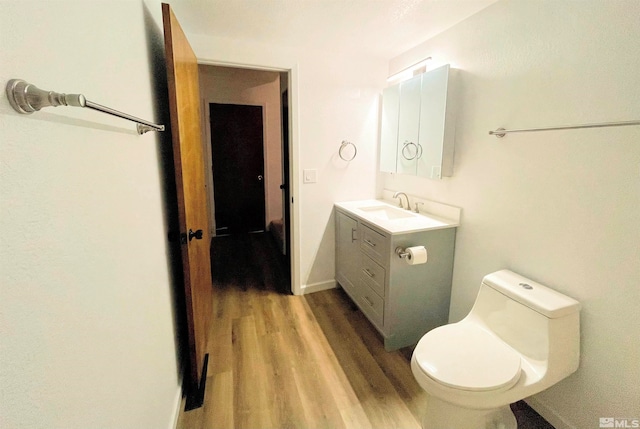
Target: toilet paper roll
{"points": [[416, 255]]}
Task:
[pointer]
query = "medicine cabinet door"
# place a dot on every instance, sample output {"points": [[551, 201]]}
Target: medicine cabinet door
{"points": [[436, 124], [407, 149], [389, 128]]}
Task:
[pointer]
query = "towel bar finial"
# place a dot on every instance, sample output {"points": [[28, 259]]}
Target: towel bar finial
{"points": [[27, 98]]}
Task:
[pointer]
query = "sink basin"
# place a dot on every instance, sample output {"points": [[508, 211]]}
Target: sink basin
{"points": [[392, 219], [387, 212]]}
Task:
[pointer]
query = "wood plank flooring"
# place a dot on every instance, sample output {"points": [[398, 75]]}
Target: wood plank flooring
{"points": [[283, 361]]}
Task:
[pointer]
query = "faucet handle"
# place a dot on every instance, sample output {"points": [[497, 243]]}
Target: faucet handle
{"points": [[418, 204]]}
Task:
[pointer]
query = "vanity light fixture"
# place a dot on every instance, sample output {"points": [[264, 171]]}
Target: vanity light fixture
{"points": [[408, 72]]}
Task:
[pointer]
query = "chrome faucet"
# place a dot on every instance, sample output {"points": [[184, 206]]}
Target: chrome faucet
{"points": [[398, 195]]}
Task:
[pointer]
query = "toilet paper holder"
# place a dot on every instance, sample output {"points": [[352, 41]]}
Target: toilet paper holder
{"points": [[402, 253], [413, 255]]}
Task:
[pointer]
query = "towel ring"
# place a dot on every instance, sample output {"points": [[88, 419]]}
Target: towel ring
{"points": [[344, 145], [418, 151]]}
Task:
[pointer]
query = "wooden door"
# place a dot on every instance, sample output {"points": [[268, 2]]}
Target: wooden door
{"points": [[237, 150], [184, 104]]}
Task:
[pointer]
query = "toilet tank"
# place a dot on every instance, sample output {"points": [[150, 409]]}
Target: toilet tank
{"points": [[526, 315], [537, 297]]}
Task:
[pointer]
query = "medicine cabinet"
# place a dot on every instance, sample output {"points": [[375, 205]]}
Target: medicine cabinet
{"points": [[418, 126]]}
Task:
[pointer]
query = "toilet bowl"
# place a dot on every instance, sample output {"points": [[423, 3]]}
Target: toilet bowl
{"points": [[519, 339]]}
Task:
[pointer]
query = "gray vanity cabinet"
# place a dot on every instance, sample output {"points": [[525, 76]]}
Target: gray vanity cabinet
{"points": [[402, 301]]}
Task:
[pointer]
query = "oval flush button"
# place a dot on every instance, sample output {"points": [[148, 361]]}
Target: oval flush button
{"points": [[526, 286]]}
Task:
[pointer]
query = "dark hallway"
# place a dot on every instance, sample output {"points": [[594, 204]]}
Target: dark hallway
{"points": [[249, 261]]}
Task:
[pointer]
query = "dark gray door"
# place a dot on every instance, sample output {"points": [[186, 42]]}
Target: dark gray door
{"points": [[238, 167]]}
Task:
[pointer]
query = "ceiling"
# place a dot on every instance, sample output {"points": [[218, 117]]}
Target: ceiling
{"points": [[383, 28]]}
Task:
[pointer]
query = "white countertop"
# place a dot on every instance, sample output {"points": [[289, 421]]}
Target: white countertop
{"points": [[410, 222]]}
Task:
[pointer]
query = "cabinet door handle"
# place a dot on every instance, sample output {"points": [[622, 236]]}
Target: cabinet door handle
{"points": [[353, 235], [370, 243], [369, 273], [368, 300]]}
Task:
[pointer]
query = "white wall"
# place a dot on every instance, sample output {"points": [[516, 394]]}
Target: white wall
{"points": [[559, 207], [335, 97], [87, 331]]}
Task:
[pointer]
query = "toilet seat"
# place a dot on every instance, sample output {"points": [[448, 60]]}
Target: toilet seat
{"points": [[466, 357]]}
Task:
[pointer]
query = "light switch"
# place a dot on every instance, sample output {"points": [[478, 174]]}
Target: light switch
{"points": [[310, 175]]}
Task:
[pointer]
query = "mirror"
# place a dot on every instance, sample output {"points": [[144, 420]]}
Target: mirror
{"points": [[407, 149], [389, 128], [417, 130]]}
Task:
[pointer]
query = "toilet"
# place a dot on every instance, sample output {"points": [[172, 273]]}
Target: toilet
{"points": [[519, 339]]}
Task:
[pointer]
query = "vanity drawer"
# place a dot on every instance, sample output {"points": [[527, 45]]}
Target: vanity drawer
{"points": [[374, 244], [371, 305], [372, 274]]}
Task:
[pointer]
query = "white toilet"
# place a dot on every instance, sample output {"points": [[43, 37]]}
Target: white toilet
{"points": [[519, 339]]}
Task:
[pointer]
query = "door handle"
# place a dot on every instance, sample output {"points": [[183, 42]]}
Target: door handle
{"points": [[260, 177], [197, 235]]}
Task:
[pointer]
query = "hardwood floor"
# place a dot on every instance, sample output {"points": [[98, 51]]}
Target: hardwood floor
{"points": [[283, 361]]}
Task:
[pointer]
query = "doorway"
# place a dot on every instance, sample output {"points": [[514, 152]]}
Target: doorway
{"points": [[237, 151], [222, 87]]}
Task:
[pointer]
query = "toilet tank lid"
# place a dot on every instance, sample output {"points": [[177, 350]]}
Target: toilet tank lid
{"points": [[540, 298]]}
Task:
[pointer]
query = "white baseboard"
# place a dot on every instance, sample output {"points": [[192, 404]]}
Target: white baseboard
{"points": [[548, 413], [177, 405], [317, 287]]}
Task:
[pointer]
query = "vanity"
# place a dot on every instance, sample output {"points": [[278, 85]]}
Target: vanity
{"points": [[402, 301]]}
